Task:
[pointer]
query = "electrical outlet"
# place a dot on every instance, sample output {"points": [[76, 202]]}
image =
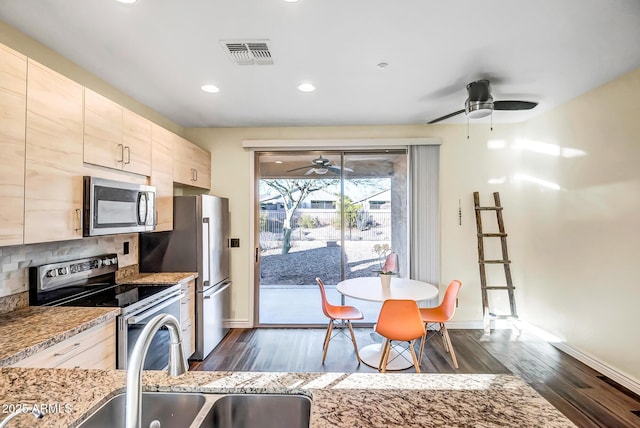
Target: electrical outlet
{"points": [[234, 242], [125, 248]]}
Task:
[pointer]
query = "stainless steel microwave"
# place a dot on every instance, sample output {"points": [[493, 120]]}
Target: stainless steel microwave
{"points": [[117, 207]]}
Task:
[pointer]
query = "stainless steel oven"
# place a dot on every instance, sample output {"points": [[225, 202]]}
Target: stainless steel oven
{"points": [[131, 323], [90, 282], [117, 207]]}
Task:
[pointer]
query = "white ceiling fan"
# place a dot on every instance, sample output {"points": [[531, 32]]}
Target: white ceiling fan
{"points": [[321, 166]]}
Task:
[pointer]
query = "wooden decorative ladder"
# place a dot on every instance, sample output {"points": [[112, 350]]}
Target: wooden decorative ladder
{"points": [[487, 314]]}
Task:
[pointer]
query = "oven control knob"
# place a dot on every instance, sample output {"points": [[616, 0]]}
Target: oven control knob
{"points": [[52, 273], [63, 271], [106, 262]]}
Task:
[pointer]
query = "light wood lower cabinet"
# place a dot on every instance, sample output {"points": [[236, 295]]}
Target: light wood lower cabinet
{"points": [[191, 164], [13, 95], [94, 348], [53, 166], [188, 317]]}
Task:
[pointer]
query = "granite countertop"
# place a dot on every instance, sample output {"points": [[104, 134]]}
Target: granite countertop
{"points": [[158, 278], [338, 399], [24, 332]]}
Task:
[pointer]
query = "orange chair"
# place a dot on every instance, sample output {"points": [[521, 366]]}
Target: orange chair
{"points": [[440, 315], [338, 313], [399, 320]]}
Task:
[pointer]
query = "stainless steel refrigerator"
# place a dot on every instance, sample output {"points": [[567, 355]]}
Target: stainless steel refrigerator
{"points": [[199, 243]]}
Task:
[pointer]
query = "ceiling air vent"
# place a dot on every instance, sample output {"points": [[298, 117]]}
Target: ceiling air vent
{"points": [[248, 52]]}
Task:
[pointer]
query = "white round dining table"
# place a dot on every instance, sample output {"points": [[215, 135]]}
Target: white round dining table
{"points": [[371, 289]]}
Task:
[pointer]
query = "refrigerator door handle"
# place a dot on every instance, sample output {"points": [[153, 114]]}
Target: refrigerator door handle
{"points": [[218, 291], [206, 256]]}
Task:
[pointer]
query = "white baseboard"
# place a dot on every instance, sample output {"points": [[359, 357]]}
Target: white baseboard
{"points": [[238, 324], [620, 378], [613, 374]]}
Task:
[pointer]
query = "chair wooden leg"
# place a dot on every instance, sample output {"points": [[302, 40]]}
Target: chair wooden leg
{"points": [[422, 342], [327, 340], [385, 358], [326, 335], [448, 340], [353, 339], [413, 355], [383, 348], [444, 339]]}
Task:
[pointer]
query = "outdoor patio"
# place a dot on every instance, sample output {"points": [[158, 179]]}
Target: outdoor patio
{"points": [[288, 290]]}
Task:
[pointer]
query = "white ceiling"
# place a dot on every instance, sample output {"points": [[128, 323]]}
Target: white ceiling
{"points": [[161, 51]]}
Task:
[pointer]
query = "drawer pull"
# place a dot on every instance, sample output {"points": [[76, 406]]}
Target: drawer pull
{"points": [[66, 351]]}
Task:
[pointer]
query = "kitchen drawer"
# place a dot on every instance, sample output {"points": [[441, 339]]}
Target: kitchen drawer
{"points": [[93, 348]]}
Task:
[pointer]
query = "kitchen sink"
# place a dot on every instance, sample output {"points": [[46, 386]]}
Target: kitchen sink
{"points": [[172, 410], [198, 410], [259, 410]]}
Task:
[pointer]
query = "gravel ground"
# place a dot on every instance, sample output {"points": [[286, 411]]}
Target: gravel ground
{"points": [[310, 259]]}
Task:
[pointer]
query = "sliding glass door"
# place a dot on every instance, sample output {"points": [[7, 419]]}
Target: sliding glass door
{"points": [[320, 214]]}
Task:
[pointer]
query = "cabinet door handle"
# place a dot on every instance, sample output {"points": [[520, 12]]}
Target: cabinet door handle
{"points": [[196, 175], [66, 351], [128, 155], [78, 219], [120, 148]]}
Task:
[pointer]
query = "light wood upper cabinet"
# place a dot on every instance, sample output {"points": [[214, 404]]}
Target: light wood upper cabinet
{"points": [[162, 175], [53, 166], [191, 164], [115, 137], [136, 138], [13, 97]]}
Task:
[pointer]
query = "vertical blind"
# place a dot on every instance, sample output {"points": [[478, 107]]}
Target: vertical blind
{"points": [[424, 209]]}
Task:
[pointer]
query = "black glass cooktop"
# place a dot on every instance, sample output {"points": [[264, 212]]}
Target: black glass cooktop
{"points": [[104, 295]]}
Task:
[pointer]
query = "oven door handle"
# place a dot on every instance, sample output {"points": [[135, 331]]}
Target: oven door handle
{"points": [[135, 319]]}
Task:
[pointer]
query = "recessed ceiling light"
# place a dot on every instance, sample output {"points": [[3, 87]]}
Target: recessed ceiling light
{"points": [[291, 1], [279, 161], [212, 89], [127, 1], [306, 87], [382, 65]]}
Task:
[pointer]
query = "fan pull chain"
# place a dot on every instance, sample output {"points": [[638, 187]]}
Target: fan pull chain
{"points": [[492, 120], [467, 127]]}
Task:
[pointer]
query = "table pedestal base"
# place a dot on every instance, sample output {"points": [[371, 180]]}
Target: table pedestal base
{"points": [[370, 355]]}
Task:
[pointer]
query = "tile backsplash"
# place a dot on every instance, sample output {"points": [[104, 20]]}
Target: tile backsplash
{"points": [[16, 260]]}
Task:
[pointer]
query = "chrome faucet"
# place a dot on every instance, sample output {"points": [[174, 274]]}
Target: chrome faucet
{"points": [[35, 412], [177, 364]]}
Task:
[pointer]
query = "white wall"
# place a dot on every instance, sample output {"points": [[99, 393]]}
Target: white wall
{"points": [[582, 269], [574, 250]]}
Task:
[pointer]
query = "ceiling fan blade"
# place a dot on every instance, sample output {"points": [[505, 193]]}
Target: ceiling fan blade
{"points": [[338, 168], [513, 105], [296, 169], [310, 171], [447, 116]]}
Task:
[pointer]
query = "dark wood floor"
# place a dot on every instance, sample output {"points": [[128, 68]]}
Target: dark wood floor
{"points": [[582, 394]]}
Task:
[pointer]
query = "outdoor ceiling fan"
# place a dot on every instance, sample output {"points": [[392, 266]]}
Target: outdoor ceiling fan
{"points": [[321, 166], [480, 103]]}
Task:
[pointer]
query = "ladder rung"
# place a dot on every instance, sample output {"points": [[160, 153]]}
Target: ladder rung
{"points": [[503, 317], [488, 208], [495, 261], [495, 287], [492, 235]]}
